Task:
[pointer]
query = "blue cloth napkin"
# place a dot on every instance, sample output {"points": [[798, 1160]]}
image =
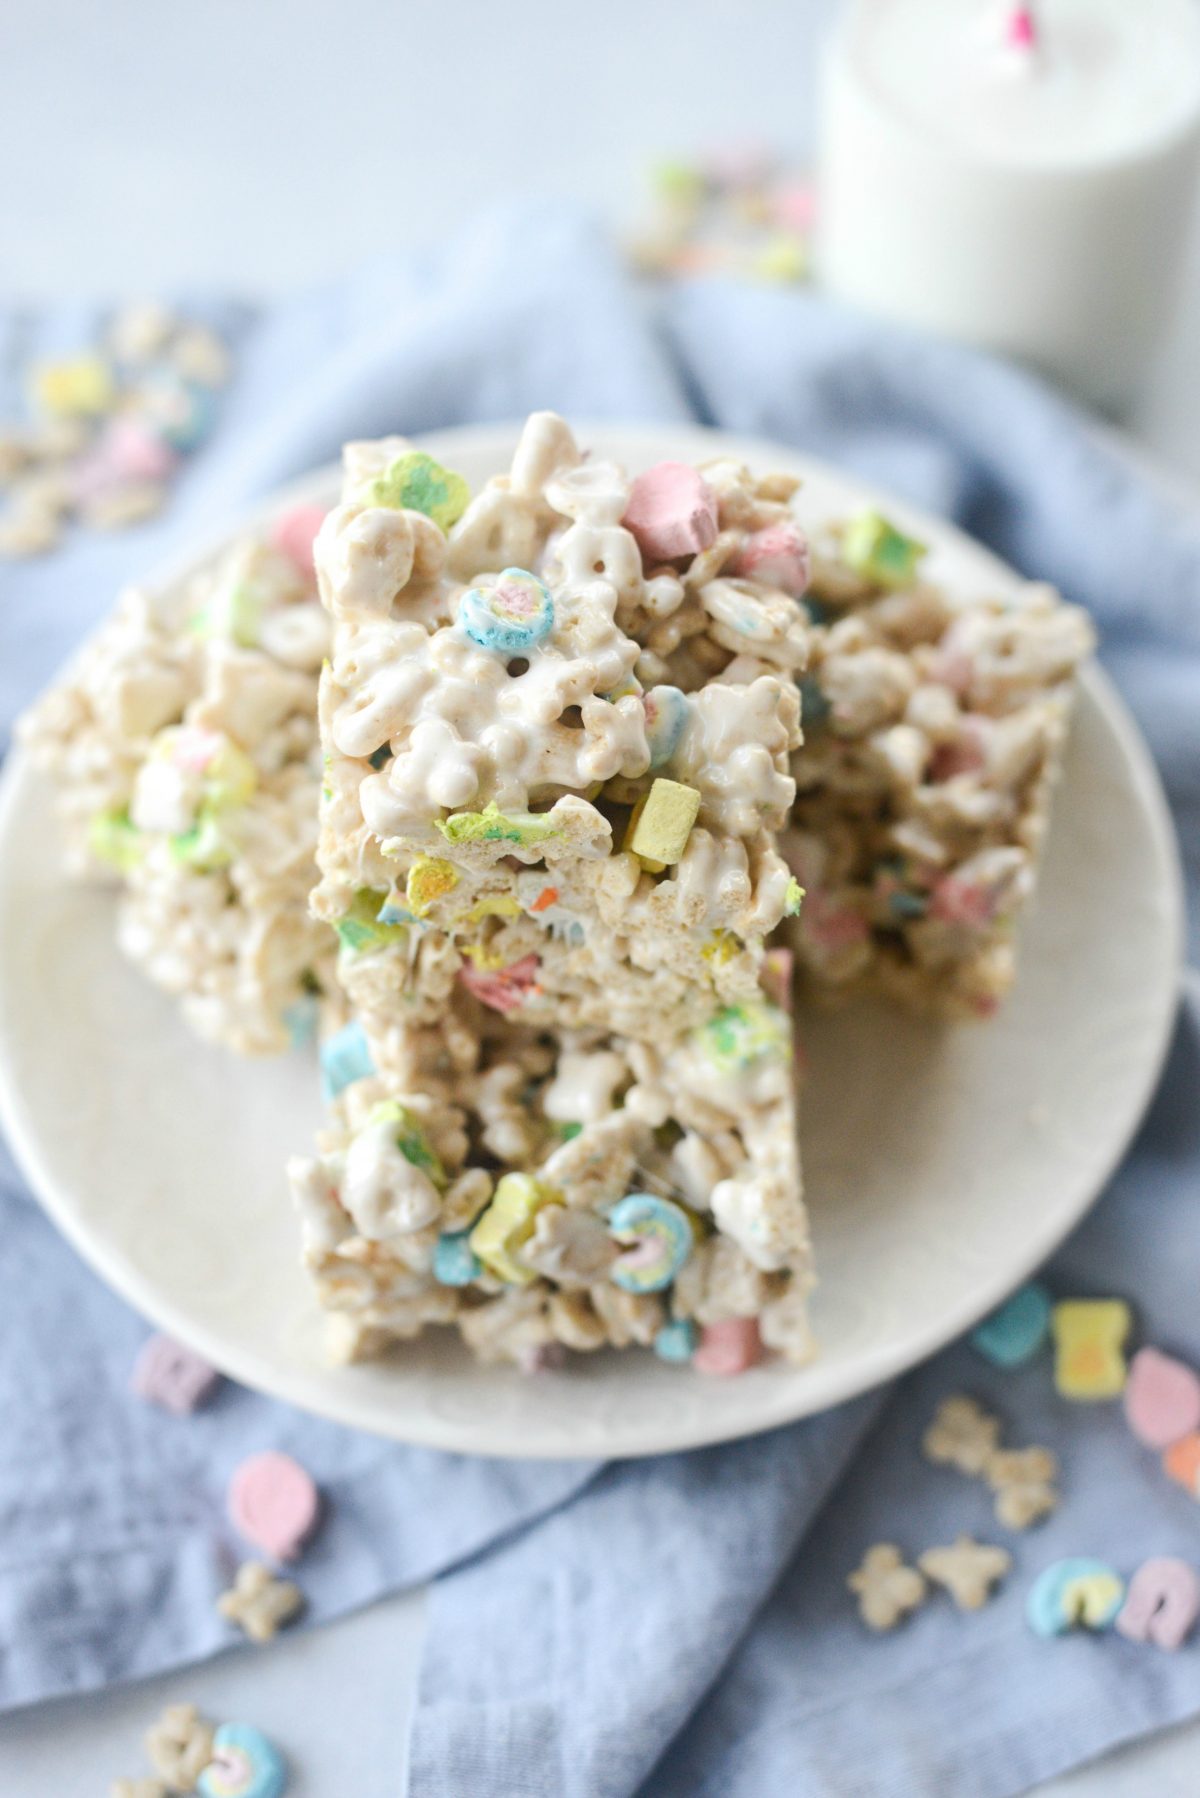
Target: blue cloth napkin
{"points": [[678, 1626]]}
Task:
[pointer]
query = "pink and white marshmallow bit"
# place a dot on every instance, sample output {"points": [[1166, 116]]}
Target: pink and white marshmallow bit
{"points": [[274, 1503], [778, 556], [292, 535], [672, 512], [172, 1376], [729, 1347], [502, 989]]}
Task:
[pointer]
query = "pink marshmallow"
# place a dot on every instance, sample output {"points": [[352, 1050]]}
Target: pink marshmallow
{"points": [[1162, 1603], [672, 512], [966, 902], [1162, 1399], [136, 452], [292, 534], [274, 1504], [503, 989], [775, 977], [795, 207], [167, 1374], [729, 1347], [778, 556]]}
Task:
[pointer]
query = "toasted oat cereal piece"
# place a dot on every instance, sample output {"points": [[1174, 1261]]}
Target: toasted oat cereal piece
{"points": [[1023, 1480], [962, 1435], [258, 1603], [180, 1746], [138, 1788], [968, 1570], [887, 1590]]}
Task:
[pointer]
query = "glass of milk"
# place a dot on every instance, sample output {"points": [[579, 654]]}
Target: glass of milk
{"points": [[1017, 176]]}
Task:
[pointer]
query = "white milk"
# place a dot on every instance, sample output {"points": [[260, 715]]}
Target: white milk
{"points": [[1034, 201]]}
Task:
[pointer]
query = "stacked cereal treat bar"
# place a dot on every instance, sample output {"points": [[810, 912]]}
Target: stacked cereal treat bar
{"points": [[934, 729], [556, 761], [553, 812], [547, 1192], [184, 747]]}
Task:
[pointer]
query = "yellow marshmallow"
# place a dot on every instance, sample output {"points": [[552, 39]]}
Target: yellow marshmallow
{"points": [[662, 823], [78, 386], [508, 1223], [428, 879], [1089, 1335]]}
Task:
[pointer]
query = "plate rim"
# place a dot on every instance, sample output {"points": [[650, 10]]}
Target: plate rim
{"points": [[773, 1408]]}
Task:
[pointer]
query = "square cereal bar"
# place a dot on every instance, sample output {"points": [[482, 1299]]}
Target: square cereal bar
{"points": [[557, 784], [545, 1191], [934, 731], [183, 745]]}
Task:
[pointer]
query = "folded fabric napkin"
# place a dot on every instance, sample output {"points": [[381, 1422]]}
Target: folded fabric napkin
{"points": [[679, 1626]]}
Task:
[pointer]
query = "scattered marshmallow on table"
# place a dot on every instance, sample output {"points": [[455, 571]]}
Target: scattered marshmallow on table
{"points": [[274, 1503], [168, 1374], [245, 1764], [1162, 1398], [1181, 1463], [886, 1589], [1089, 1337], [1161, 1604], [1077, 1593], [1014, 1333], [106, 430]]}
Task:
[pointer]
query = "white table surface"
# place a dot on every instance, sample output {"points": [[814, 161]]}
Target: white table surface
{"points": [[258, 146]]}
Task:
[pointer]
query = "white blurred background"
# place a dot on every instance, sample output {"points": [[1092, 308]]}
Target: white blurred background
{"points": [[254, 146], [267, 142]]}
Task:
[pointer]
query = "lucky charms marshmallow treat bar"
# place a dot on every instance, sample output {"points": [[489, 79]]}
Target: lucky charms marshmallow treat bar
{"points": [[934, 728], [556, 745], [183, 744], [548, 1192], [552, 790]]}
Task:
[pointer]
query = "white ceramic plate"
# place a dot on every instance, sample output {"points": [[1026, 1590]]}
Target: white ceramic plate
{"points": [[942, 1164]]}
